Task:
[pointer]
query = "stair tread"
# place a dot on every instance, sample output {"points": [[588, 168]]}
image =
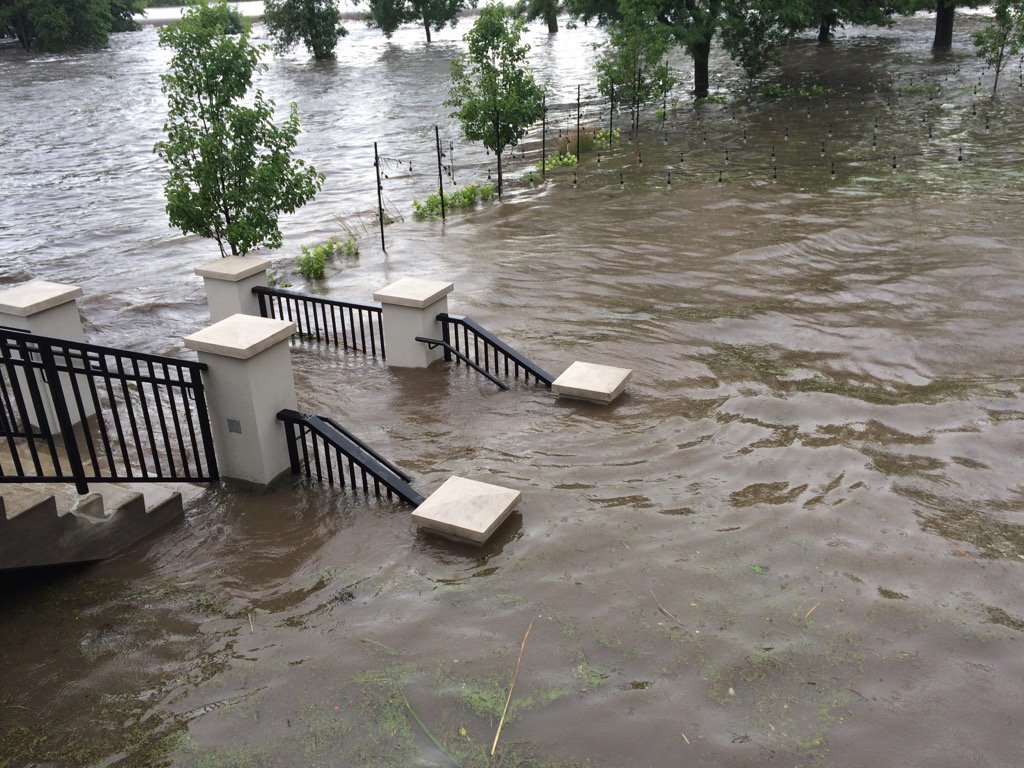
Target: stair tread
{"points": [[18, 499]]}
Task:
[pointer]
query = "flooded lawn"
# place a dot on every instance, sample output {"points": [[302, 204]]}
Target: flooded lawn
{"points": [[797, 540]]}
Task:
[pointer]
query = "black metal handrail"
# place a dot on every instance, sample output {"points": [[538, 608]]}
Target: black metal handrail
{"points": [[81, 413], [466, 337], [348, 324], [319, 447], [449, 350]]}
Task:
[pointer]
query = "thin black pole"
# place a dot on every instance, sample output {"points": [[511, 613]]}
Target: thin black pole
{"points": [[544, 137], [440, 178], [451, 159], [380, 198], [611, 114], [577, 122]]}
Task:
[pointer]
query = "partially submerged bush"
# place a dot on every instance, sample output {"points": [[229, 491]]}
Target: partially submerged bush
{"points": [[605, 139], [312, 263], [463, 197]]}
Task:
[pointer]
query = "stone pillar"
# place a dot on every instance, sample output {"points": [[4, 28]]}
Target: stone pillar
{"points": [[410, 308], [48, 309], [248, 380], [229, 284]]}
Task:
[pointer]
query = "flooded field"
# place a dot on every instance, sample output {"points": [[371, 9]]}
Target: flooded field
{"points": [[798, 540]]}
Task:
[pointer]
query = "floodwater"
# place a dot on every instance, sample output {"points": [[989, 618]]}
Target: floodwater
{"points": [[797, 540]]}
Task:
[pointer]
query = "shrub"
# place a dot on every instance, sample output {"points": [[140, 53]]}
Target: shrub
{"points": [[604, 139], [459, 198], [312, 263]]}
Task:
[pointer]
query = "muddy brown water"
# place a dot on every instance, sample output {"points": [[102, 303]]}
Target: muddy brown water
{"points": [[797, 540]]}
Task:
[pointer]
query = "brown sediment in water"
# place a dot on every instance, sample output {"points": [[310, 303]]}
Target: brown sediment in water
{"points": [[825, 419]]}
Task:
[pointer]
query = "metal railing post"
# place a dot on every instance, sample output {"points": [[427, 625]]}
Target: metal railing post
{"points": [[60, 408]]}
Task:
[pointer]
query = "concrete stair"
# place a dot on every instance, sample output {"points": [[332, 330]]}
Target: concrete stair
{"points": [[50, 524]]}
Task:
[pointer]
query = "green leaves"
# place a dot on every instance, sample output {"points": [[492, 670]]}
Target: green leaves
{"points": [[231, 171], [315, 23], [633, 66], [1003, 38], [57, 25], [492, 91], [389, 15]]}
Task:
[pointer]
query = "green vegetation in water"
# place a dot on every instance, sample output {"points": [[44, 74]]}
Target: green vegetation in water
{"points": [[312, 263], [563, 158], [123, 727], [464, 197], [713, 98], [932, 89], [277, 280], [774, 91], [604, 139], [891, 594]]}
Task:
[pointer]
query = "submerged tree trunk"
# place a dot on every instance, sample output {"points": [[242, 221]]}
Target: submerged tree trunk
{"points": [[828, 21], [497, 144], [701, 53], [426, 26], [945, 10], [552, 19], [999, 66]]}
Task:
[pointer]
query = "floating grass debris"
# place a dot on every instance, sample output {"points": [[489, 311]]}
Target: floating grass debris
{"points": [[515, 676]]}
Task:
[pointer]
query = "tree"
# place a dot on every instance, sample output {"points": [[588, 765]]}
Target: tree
{"points": [[695, 23], [492, 91], [1003, 38], [315, 23], [57, 25], [633, 68], [548, 10], [389, 15], [945, 14], [231, 170], [828, 15]]}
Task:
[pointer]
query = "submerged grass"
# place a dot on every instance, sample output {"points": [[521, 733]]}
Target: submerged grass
{"points": [[464, 197]]}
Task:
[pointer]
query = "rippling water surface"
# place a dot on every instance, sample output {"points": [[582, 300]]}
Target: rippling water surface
{"points": [[797, 540]]}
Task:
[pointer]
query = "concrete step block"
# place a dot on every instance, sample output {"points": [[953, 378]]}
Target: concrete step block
{"points": [[589, 381], [465, 509]]}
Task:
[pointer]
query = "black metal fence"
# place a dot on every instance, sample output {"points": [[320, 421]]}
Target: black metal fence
{"points": [[346, 324], [320, 448], [487, 351], [81, 413]]}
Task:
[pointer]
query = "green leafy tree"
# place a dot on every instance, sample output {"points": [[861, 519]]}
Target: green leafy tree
{"points": [[633, 68], [548, 10], [231, 170], [492, 91], [315, 23], [754, 32], [389, 15], [1003, 38], [829, 15], [749, 31], [57, 25]]}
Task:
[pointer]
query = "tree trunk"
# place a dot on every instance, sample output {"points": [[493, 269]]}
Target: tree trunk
{"points": [[21, 31], [426, 26], [552, 19], [701, 53], [944, 12], [828, 21], [999, 65], [497, 144]]}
